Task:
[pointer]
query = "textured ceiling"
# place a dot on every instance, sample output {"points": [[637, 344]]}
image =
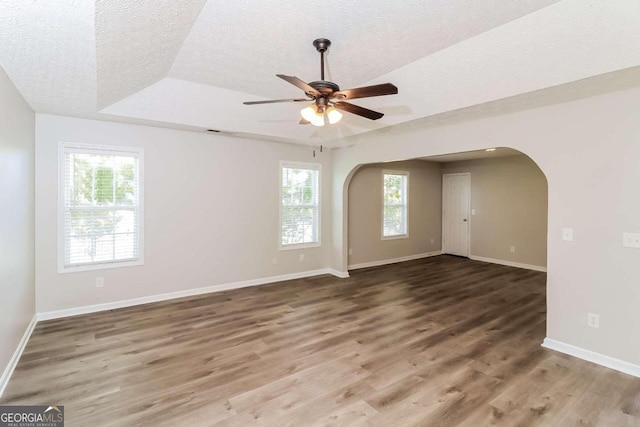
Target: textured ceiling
{"points": [[137, 41], [255, 40], [48, 50], [191, 63]]}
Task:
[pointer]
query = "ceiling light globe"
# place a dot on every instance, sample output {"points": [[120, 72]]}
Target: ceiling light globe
{"points": [[312, 115], [318, 119], [333, 115], [309, 112]]}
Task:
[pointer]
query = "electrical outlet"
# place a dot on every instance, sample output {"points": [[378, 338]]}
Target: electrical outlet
{"points": [[631, 240], [567, 234], [593, 320], [433, 241], [350, 251], [512, 249], [99, 282], [301, 257]]}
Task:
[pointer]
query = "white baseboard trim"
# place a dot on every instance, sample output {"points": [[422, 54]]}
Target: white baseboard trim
{"points": [[592, 356], [509, 263], [8, 371], [49, 315], [393, 260], [340, 274]]}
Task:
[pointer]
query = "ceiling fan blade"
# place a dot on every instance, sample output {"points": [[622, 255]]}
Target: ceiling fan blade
{"points": [[360, 111], [304, 122], [274, 101], [299, 83], [367, 91]]}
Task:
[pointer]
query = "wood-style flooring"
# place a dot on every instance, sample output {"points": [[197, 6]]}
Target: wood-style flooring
{"points": [[442, 341]]}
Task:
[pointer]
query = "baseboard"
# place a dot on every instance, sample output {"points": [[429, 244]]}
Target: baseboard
{"points": [[509, 263], [393, 260], [340, 274], [592, 356], [49, 315], [6, 375]]}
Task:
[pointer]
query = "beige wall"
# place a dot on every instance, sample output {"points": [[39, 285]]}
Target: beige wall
{"points": [[211, 206], [17, 302], [589, 151], [509, 196], [365, 213]]}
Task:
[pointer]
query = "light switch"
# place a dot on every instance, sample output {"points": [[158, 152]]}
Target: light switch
{"points": [[631, 240], [473, 211], [567, 234]]}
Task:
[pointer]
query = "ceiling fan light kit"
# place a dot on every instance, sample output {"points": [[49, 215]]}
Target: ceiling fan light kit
{"points": [[317, 116], [327, 97]]}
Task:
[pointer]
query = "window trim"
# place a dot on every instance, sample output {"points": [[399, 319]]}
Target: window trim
{"points": [[108, 150], [406, 234], [300, 165]]}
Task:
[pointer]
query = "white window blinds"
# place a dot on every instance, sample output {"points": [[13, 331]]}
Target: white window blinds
{"points": [[300, 204], [395, 185], [101, 205]]}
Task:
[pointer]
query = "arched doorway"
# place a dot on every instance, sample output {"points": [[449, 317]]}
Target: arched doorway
{"points": [[506, 219]]}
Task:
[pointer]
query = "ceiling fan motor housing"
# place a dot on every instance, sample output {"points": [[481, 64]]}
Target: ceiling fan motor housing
{"points": [[325, 87]]}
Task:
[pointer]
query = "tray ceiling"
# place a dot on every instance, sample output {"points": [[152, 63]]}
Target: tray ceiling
{"points": [[191, 63]]}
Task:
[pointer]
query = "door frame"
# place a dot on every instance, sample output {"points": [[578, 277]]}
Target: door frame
{"points": [[468, 174]]}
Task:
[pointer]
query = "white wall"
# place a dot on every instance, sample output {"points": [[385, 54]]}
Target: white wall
{"points": [[211, 212], [17, 302], [589, 151], [365, 213], [509, 197]]}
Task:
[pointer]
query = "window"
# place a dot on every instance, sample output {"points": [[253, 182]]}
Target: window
{"points": [[100, 207], [300, 205], [395, 204]]}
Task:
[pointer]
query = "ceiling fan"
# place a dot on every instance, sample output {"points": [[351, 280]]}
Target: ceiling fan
{"points": [[327, 97]]}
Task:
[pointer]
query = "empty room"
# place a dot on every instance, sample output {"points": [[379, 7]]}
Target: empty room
{"points": [[383, 213]]}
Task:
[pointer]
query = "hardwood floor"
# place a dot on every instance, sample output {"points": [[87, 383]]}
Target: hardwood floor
{"points": [[441, 341]]}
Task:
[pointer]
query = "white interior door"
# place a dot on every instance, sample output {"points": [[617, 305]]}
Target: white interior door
{"points": [[455, 213]]}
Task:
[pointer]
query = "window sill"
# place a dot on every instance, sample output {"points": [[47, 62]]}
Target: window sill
{"points": [[94, 267], [299, 246], [399, 236]]}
